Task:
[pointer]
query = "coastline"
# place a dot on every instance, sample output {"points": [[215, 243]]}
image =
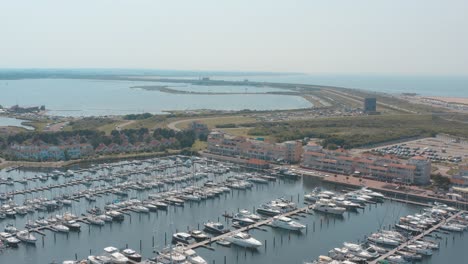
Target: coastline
{"points": [[450, 100]]}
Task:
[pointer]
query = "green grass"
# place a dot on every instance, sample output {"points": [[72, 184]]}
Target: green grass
{"points": [[212, 122], [361, 131]]}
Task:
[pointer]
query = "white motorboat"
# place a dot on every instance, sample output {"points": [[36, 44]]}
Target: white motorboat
{"points": [[286, 223], [11, 229], [26, 237], [269, 210], [244, 221], [190, 254], [248, 214], [244, 240], [99, 260], [61, 228], [342, 202], [326, 206], [94, 220], [198, 235], [382, 240], [115, 256], [9, 239], [418, 249], [72, 225], [215, 227], [396, 259], [131, 254], [171, 257], [452, 228], [140, 209], [182, 237]]}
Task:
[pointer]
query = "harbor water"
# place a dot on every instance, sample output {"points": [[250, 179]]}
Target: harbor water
{"points": [[153, 231]]}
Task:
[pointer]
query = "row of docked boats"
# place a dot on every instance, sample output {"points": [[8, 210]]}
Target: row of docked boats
{"points": [[333, 203], [410, 248]]}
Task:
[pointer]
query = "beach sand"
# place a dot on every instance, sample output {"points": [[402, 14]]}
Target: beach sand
{"points": [[458, 100]]}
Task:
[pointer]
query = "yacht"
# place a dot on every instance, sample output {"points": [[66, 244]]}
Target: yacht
{"points": [[99, 260], [244, 240], [9, 239], [26, 237], [286, 223], [382, 240], [116, 216], [182, 238], [215, 227], [115, 256], [94, 220], [198, 235], [418, 249], [248, 214], [243, 220], [326, 206], [72, 225], [61, 228], [140, 209], [342, 202], [11, 229], [171, 257], [131, 255], [269, 210], [190, 254], [452, 228]]}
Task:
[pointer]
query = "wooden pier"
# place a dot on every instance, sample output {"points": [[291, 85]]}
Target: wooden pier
{"points": [[423, 234]]}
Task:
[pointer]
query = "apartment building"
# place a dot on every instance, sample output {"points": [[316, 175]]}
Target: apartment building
{"points": [[227, 145], [416, 170]]}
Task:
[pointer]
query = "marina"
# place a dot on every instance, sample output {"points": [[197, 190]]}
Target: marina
{"points": [[96, 206]]}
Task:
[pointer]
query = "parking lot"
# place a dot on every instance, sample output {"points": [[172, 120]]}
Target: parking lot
{"points": [[439, 149]]}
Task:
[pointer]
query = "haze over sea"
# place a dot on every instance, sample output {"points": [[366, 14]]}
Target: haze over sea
{"points": [[448, 86]]}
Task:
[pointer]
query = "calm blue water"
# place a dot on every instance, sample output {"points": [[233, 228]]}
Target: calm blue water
{"points": [[7, 121], [79, 97], [394, 84]]}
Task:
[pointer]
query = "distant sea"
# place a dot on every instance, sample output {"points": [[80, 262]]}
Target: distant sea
{"points": [[448, 86]]}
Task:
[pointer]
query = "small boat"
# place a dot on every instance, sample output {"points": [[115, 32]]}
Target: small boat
{"points": [[94, 220], [61, 228], [190, 254], [9, 228], [115, 256], [246, 213], [418, 249], [286, 223], [161, 205], [9, 239], [223, 242], [182, 237], [72, 225], [131, 255], [116, 216], [242, 220], [266, 209], [327, 206], [26, 237], [198, 235], [99, 260], [215, 227], [452, 228], [244, 240], [140, 209]]}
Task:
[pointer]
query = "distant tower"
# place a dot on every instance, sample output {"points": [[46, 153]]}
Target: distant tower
{"points": [[370, 105]]}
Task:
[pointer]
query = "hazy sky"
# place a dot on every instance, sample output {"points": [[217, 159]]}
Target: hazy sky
{"points": [[329, 36]]}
